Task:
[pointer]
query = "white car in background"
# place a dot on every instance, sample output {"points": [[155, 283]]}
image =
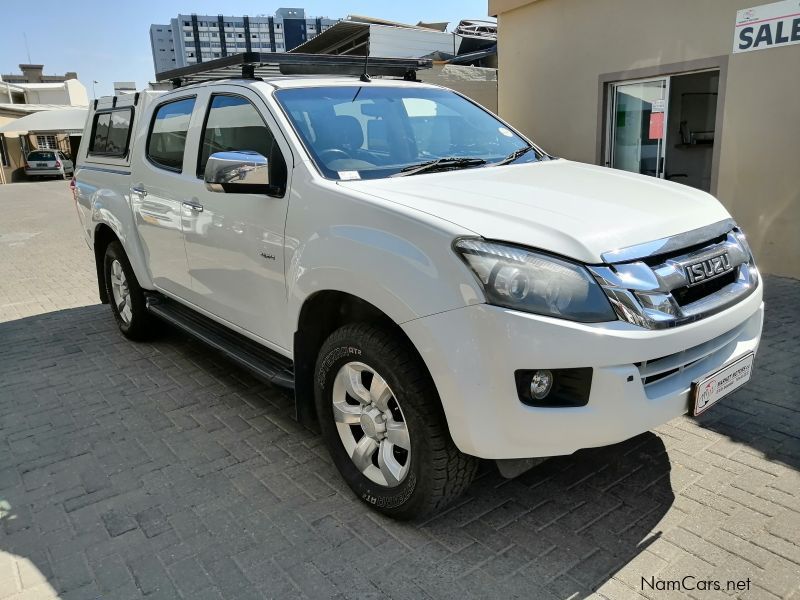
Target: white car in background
{"points": [[48, 163]]}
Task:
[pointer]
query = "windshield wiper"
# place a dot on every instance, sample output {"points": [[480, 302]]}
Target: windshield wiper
{"points": [[513, 156], [451, 162]]}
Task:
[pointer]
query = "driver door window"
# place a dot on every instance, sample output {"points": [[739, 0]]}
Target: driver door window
{"points": [[234, 124]]}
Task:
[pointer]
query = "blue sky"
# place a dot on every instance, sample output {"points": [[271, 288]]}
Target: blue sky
{"points": [[109, 41]]}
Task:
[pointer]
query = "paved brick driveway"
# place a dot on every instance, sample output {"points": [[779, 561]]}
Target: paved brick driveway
{"points": [[162, 471]]}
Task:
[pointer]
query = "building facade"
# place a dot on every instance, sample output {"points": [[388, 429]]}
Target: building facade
{"points": [[189, 39], [701, 93], [35, 74], [29, 93]]}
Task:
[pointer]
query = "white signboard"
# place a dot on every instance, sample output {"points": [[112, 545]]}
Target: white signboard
{"points": [[767, 26]]}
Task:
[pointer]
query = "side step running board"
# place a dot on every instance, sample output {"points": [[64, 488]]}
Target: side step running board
{"points": [[265, 363]]}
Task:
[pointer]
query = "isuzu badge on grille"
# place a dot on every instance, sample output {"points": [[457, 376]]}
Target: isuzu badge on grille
{"points": [[708, 269]]}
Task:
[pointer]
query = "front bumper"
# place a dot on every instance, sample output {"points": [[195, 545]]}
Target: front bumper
{"points": [[472, 353]]}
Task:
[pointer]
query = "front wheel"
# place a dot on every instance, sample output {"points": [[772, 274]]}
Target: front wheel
{"points": [[383, 423]]}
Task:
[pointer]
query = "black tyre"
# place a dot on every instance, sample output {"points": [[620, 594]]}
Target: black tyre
{"points": [[125, 295], [383, 422]]}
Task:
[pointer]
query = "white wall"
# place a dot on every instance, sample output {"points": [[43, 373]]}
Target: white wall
{"points": [[402, 42], [77, 93], [477, 83], [70, 93]]}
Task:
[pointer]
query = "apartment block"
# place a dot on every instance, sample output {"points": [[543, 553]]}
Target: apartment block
{"points": [[189, 39]]}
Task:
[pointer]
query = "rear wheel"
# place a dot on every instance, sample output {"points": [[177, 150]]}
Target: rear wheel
{"points": [[383, 422], [125, 295]]}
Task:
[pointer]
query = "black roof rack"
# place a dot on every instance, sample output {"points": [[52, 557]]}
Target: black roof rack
{"points": [[251, 65]]}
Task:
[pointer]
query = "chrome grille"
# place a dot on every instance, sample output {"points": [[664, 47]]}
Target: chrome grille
{"points": [[678, 280], [666, 366]]}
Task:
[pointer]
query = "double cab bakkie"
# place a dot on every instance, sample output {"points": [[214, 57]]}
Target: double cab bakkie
{"points": [[434, 287]]}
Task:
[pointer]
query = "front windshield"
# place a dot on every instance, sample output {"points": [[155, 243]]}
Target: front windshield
{"points": [[373, 131]]}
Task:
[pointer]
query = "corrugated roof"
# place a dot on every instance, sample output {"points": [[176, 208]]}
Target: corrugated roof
{"points": [[41, 86], [63, 119], [334, 36], [378, 21], [29, 108]]}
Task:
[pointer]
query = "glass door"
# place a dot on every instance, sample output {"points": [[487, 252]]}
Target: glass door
{"points": [[638, 126]]}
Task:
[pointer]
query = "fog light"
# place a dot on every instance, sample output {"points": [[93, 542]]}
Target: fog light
{"points": [[541, 384], [554, 388]]}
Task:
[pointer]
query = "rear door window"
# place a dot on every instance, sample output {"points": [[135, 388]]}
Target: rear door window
{"points": [[167, 139]]}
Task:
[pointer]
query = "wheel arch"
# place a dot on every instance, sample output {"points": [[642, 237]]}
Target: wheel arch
{"points": [[103, 236], [321, 314]]}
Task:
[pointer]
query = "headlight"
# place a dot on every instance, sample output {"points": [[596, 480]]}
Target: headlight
{"points": [[532, 282]]}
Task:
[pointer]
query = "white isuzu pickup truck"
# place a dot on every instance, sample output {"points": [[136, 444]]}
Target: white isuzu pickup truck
{"points": [[433, 286]]}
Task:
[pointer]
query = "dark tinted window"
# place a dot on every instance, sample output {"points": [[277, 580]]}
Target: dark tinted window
{"points": [[101, 123], [112, 132], [234, 124], [41, 155], [167, 139]]}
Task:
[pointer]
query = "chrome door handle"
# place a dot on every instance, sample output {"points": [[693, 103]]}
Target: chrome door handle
{"points": [[139, 190], [194, 207]]}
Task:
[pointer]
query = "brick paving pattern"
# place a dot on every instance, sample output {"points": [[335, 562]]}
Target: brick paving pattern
{"points": [[162, 471]]}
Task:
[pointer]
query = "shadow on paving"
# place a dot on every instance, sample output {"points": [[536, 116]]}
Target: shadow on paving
{"points": [[764, 414], [161, 468]]}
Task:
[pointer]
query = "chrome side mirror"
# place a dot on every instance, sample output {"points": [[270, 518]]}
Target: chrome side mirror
{"points": [[242, 172]]}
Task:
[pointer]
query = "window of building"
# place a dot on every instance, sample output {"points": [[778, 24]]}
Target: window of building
{"points": [[46, 141], [111, 132], [167, 139], [187, 23], [3, 152]]}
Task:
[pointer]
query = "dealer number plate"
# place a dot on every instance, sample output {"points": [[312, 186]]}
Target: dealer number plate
{"points": [[707, 391]]}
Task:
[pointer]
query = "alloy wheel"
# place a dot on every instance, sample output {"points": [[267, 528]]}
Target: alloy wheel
{"points": [[121, 292], [371, 424]]}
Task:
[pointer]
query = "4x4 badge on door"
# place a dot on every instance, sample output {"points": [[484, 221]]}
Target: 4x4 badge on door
{"points": [[708, 269]]}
